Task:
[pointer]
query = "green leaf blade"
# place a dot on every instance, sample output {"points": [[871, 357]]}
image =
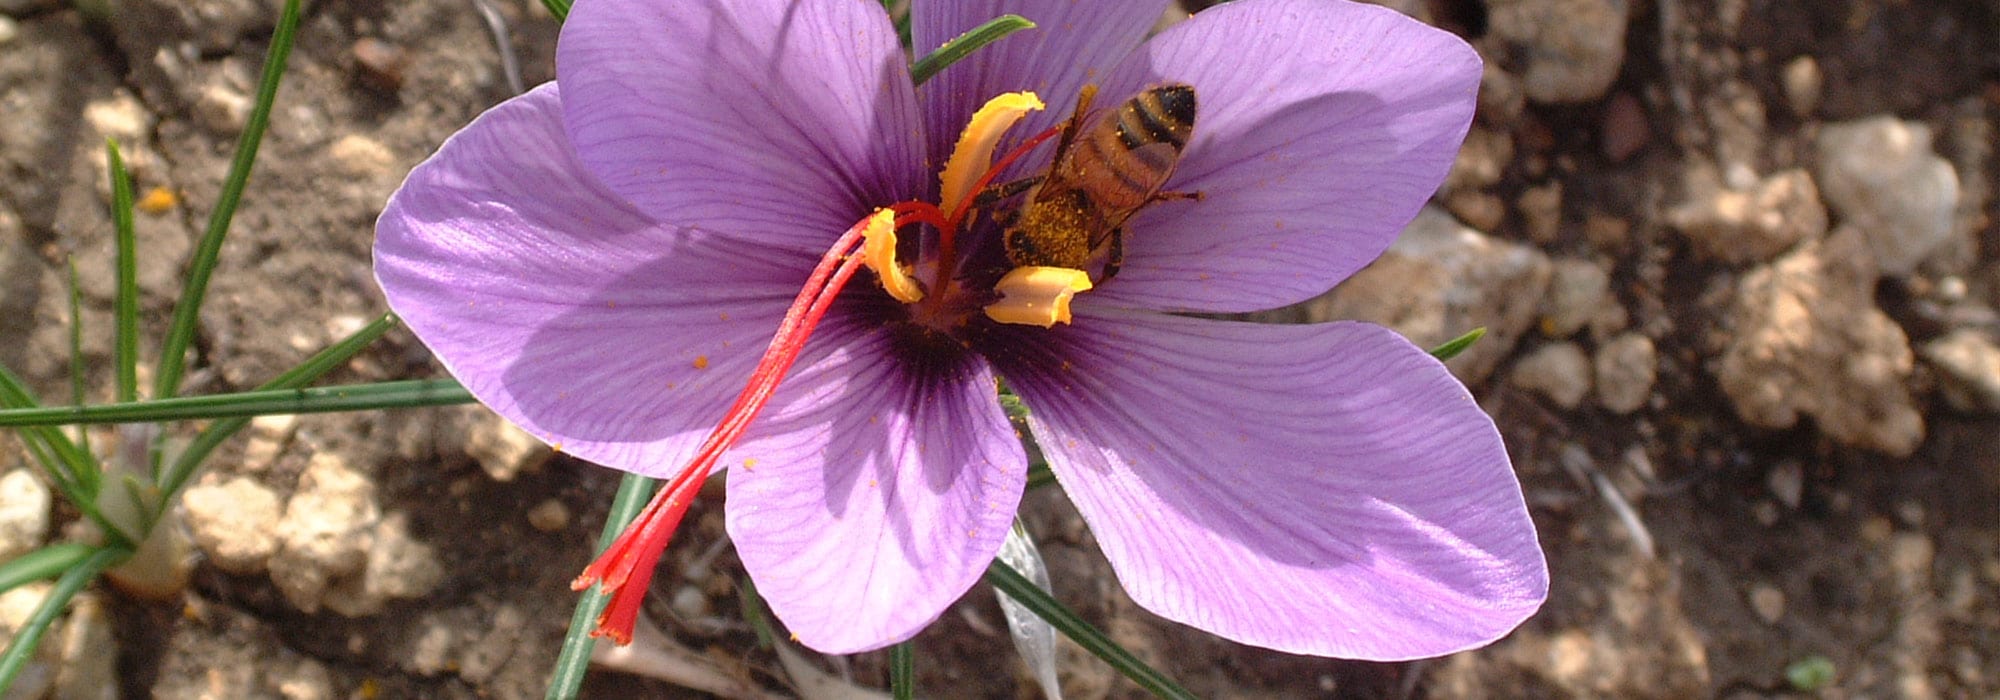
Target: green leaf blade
{"points": [[29, 636], [1019, 588], [1452, 348], [574, 659], [957, 49], [126, 359], [173, 353]]}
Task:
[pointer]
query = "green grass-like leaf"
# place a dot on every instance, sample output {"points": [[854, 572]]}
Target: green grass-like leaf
{"points": [[88, 475], [957, 49], [127, 358], [574, 660], [327, 399], [172, 478], [42, 563], [65, 463], [559, 8], [903, 671], [1039, 475], [753, 613], [1451, 348], [1019, 588], [173, 353], [30, 635]]}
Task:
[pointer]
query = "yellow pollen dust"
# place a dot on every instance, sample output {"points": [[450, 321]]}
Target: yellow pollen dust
{"points": [[974, 152], [1036, 295], [701, 362], [878, 252], [158, 200]]}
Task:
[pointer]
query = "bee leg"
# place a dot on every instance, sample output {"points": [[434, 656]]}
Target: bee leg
{"points": [[994, 193], [1115, 257], [1167, 196]]}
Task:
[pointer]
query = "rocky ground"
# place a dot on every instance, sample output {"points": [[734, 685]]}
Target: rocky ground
{"points": [[1738, 261]]}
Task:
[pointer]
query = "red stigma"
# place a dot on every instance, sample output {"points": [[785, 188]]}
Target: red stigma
{"points": [[625, 569]]}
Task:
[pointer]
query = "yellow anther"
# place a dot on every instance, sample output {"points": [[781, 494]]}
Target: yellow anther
{"points": [[974, 152], [1037, 296], [878, 252]]}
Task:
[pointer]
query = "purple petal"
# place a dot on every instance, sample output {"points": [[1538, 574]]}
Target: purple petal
{"points": [[1073, 41], [1325, 490], [562, 308], [878, 496], [1310, 162], [786, 121]]}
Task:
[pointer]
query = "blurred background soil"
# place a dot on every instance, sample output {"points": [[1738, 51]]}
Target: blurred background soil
{"points": [[1738, 261]]}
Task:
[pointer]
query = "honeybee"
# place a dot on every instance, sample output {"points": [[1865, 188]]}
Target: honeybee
{"points": [[1100, 177]]}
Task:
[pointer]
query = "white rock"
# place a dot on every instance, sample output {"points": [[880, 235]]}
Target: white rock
{"points": [[1567, 51], [1882, 177], [235, 523], [1578, 292], [398, 566], [326, 532], [1767, 602], [268, 436], [24, 513], [1806, 339], [1968, 368], [119, 116], [89, 653], [1440, 280], [1739, 226], [221, 108], [1559, 371], [549, 516], [502, 449], [1787, 482], [1626, 368], [360, 156], [1803, 81]]}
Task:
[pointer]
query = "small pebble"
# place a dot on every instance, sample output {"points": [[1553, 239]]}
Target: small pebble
{"points": [[1803, 82], [268, 435], [24, 513], [380, 64], [690, 603], [502, 449], [1624, 131], [222, 109], [1541, 211], [121, 117], [1577, 292], [1883, 177], [1787, 482], [361, 156], [8, 30], [234, 523], [1767, 602], [1558, 371], [1625, 369], [549, 516]]}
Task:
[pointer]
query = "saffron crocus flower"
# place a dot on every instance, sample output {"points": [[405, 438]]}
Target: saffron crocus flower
{"points": [[605, 259]]}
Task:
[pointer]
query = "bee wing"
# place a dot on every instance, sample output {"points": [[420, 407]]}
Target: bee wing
{"points": [[1134, 177]]}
